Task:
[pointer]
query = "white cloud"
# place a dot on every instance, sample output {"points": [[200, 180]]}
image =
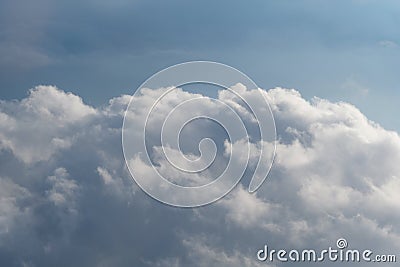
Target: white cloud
{"points": [[203, 255], [336, 174], [337, 164], [10, 196], [38, 126], [247, 210], [62, 190]]}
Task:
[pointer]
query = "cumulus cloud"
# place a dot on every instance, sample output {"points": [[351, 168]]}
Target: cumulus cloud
{"points": [[40, 125], [11, 196], [68, 199], [62, 190]]}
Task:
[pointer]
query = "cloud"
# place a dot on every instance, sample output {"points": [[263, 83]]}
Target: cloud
{"points": [[38, 126], [388, 44], [68, 199], [63, 190], [11, 196], [206, 255]]}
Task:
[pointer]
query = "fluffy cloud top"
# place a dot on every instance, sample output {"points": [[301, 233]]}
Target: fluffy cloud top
{"points": [[68, 200], [39, 125]]}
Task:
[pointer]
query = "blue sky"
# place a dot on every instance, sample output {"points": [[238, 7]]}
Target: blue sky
{"points": [[341, 50]]}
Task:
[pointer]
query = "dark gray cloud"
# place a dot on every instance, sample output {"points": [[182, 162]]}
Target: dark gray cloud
{"points": [[67, 198]]}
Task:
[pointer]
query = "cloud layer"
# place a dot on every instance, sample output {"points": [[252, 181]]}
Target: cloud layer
{"points": [[67, 198]]}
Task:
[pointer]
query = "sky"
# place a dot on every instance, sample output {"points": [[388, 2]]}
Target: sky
{"points": [[342, 50], [67, 72]]}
